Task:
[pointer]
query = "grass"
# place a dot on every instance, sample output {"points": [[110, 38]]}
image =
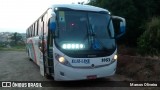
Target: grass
{"points": [[13, 48]]}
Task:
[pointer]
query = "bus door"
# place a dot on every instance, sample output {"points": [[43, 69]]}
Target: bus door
{"points": [[50, 62], [41, 45]]}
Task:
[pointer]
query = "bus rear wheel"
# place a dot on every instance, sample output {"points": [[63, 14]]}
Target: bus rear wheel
{"points": [[29, 56]]}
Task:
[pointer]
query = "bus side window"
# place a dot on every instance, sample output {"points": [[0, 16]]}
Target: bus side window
{"points": [[33, 31], [42, 26], [45, 24], [37, 27], [29, 32]]}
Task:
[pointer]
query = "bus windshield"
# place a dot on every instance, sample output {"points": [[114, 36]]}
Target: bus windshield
{"points": [[87, 33]]}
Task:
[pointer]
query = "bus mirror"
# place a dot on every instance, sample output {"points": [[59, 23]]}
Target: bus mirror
{"points": [[52, 24], [122, 26]]}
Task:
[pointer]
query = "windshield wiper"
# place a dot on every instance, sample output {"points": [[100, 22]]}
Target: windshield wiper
{"points": [[96, 43]]}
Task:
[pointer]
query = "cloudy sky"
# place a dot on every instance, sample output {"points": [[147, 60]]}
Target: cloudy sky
{"points": [[17, 15]]}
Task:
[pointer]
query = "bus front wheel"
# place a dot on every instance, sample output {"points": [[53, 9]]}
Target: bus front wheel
{"points": [[47, 76]]}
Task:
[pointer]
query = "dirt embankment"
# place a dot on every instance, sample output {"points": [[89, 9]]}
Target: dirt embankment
{"points": [[139, 68]]}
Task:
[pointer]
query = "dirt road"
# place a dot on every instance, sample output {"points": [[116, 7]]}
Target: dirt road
{"points": [[15, 66]]}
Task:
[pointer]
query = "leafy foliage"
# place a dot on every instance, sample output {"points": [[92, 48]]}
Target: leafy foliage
{"points": [[136, 13], [149, 42], [15, 38]]}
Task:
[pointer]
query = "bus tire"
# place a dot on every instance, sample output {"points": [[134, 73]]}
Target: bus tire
{"points": [[30, 59], [29, 56], [47, 76]]}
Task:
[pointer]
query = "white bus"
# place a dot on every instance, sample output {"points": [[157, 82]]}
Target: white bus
{"points": [[74, 42]]}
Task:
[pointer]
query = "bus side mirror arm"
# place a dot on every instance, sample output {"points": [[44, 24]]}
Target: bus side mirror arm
{"points": [[122, 26]]}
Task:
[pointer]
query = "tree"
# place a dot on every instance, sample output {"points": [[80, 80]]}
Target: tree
{"points": [[16, 37], [149, 42], [136, 13]]}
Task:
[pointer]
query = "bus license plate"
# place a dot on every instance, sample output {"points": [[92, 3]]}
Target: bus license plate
{"points": [[92, 77]]}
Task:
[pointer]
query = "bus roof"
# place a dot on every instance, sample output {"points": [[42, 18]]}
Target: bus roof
{"points": [[79, 7]]}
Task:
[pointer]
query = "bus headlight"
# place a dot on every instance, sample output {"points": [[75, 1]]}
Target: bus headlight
{"points": [[115, 57], [61, 60]]}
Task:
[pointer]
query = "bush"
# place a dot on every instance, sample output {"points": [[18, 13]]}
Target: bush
{"points": [[149, 41]]}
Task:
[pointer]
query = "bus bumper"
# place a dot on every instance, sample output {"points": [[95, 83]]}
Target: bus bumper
{"points": [[65, 73]]}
